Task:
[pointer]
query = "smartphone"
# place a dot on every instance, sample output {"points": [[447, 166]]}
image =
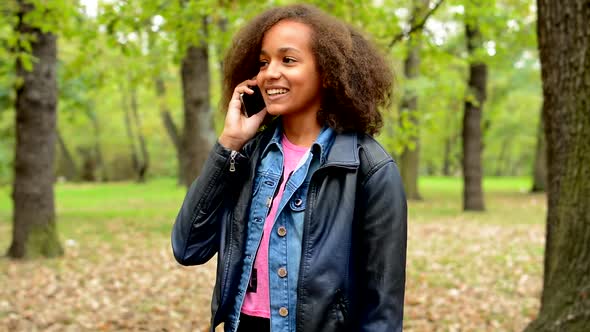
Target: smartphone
{"points": [[252, 104]]}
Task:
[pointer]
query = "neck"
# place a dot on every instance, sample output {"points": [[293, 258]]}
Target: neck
{"points": [[301, 130]]}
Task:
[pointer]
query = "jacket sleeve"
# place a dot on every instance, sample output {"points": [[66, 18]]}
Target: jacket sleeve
{"points": [[196, 231], [384, 239]]}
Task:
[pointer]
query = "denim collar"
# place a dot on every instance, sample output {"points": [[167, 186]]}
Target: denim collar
{"points": [[320, 147], [344, 151]]}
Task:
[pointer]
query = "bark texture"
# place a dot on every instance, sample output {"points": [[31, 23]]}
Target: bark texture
{"points": [[198, 131], [472, 137], [564, 48], [34, 227], [540, 167]]}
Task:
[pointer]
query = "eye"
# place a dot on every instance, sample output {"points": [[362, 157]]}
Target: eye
{"points": [[262, 63], [289, 60]]}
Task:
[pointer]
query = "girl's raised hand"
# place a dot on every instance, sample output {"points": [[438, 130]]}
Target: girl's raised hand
{"points": [[238, 128]]}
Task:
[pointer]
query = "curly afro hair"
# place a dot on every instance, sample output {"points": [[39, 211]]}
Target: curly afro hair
{"points": [[356, 79]]}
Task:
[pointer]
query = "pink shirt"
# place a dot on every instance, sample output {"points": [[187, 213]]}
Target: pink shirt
{"points": [[258, 303]]}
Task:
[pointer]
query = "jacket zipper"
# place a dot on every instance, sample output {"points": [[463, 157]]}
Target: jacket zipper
{"points": [[223, 290], [232, 161], [232, 168]]}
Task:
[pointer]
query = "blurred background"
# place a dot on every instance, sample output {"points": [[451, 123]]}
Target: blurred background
{"points": [[133, 110], [121, 113]]}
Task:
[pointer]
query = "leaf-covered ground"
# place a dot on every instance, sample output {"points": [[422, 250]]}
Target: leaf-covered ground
{"points": [[466, 271]]}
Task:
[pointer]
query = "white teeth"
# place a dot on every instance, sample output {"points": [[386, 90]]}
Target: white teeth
{"points": [[272, 92]]}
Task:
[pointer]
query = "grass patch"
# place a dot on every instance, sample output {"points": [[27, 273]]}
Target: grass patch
{"points": [[507, 201], [110, 212]]}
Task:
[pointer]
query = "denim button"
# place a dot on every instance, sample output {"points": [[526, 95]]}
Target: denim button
{"points": [[298, 202], [283, 312], [282, 231], [282, 272], [257, 220]]}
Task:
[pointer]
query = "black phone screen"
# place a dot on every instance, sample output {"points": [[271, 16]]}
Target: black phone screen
{"points": [[252, 104]]}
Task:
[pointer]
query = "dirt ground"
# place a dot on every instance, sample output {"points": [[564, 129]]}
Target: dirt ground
{"points": [[461, 277]]}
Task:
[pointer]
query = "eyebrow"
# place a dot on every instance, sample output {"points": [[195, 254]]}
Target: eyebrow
{"points": [[282, 50]]}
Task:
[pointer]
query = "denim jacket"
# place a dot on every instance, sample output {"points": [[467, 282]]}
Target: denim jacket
{"points": [[284, 249]]}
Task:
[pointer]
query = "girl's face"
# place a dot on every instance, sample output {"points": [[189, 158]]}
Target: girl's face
{"points": [[288, 78]]}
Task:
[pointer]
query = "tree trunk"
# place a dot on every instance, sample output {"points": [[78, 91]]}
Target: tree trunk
{"points": [[34, 226], [129, 129], [143, 163], [564, 50], [446, 169], [472, 142], [198, 133], [89, 164], [450, 141], [104, 177], [410, 156], [502, 163], [66, 162], [540, 167], [168, 122]]}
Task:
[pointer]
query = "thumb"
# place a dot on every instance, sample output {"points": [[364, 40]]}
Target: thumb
{"points": [[259, 117]]}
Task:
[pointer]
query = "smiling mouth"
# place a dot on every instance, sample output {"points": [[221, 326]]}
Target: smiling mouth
{"points": [[276, 92]]}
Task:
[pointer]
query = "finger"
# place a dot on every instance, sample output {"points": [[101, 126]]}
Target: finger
{"points": [[252, 81], [260, 115], [242, 89], [235, 105], [248, 83]]}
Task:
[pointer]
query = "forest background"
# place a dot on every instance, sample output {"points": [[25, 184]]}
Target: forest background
{"points": [[138, 85], [121, 96]]}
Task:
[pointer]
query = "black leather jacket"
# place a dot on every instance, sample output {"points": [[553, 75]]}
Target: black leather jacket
{"points": [[352, 273]]}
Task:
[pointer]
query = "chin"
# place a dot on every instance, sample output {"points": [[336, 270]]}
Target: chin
{"points": [[274, 111]]}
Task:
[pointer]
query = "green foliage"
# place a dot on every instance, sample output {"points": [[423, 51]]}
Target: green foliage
{"points": [[6, 145], [130, 43], [513, 85]]}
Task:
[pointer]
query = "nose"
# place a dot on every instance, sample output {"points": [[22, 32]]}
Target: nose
{"points": [[273, 71]]}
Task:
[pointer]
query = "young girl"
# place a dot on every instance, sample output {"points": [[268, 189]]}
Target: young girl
{"points": [[307, 216]]}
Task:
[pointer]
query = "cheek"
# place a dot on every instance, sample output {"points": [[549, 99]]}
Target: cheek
{"points": [[312, 91], [260, 78], [314, 78], [313, 82]]}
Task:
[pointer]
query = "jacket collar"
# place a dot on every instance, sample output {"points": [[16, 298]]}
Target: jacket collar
{"points": [[344, 151], [320, 147]]}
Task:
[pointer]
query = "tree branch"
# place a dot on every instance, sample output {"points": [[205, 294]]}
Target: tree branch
{"points": [[414, 28]]}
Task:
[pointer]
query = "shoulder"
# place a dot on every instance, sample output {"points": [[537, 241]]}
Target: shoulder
{"points": [[372, 155], [375, 160]]}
